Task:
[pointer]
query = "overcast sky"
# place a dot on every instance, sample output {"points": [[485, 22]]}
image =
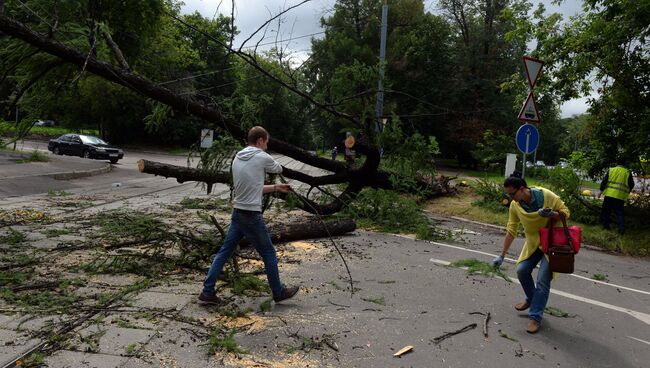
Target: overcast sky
{"points": [[302, 23]]}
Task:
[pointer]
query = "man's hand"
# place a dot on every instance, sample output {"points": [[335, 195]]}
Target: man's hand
{"points": [[497, 261], [284, 188]]}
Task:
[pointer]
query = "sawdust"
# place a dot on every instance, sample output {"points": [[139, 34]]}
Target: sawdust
{"points": [[304, 246], [288, 361]]}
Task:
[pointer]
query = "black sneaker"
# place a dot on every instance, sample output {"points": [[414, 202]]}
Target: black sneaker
{"points": [[287, 292], [209, 299]]}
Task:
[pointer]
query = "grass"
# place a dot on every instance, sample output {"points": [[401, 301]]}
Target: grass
{"points": [[52, 132], [635, 242], [35, 156]]}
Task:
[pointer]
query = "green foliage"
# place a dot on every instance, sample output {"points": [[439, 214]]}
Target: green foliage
{"points": [[408, 157], [119, 224], [565, 183], [12, 278], [34, 360], [492, 151], [243, 282], [475, 266], [387, 211], [492, 194], [377, 300], [14, 237], [607, 43], [131, 349], [557, 312], [599, 277], [265, 306], [205, 203], [57, 193], [41, 302], [220, 340], [217, 158], [36, 156]]}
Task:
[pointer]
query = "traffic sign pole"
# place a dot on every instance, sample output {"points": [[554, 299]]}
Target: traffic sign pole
{"points": [[523, 168]]}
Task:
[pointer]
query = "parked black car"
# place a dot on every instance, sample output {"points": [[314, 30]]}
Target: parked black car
{"points": [[85, 146]]}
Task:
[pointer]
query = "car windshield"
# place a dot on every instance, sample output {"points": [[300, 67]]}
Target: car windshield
{"points": [[91, 140]]}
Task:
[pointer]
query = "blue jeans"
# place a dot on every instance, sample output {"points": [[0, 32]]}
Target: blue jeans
{"points": [[536, 295], [613, 204], [247, 224]]}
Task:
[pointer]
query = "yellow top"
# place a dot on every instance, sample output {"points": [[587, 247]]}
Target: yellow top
{"points": [[532, 221]]}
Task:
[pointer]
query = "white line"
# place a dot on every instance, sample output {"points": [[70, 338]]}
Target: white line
{"points": [[514, 261], [643, 341], [643, 317]]}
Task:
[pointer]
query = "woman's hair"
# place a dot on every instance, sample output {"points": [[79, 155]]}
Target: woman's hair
{"points": [[515, 181]]}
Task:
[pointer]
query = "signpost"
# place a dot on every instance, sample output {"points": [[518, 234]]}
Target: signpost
{"points": [[527, 142], [527, 136], [206, 138]]}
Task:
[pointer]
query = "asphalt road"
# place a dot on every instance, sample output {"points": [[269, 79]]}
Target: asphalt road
{"points": [[608, 322]]}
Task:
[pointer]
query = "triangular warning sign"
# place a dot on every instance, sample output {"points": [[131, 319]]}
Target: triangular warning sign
{"points": [[529, 110], [533, 70]]}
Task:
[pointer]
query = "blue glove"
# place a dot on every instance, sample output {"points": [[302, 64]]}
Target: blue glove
{"points": [[497, 261], [546, 212]]}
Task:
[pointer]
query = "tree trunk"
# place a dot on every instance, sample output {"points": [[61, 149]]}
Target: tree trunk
{"points": [[312, 229]]}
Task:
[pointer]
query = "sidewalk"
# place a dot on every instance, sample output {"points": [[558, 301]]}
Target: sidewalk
{"points": [[57, 167]]}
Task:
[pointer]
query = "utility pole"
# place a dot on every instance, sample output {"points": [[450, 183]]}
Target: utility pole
{"points": [[379, 108]]}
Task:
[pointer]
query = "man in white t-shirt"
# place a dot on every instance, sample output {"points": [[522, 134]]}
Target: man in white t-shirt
{"points": [[249, 169]]}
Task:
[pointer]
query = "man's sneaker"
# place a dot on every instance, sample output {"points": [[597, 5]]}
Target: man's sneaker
{"points": [[209, 299], [287, 292]]}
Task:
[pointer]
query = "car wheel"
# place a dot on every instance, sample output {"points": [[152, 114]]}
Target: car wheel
{"points": [[56, 151], [86, 154], [113, 160]]}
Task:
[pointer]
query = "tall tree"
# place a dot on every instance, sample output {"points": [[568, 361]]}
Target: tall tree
{"points": [[606, 48]]}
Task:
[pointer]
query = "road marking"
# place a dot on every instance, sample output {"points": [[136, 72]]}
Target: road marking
{"points": [[643, 341], [512, 260], [643, 317]]}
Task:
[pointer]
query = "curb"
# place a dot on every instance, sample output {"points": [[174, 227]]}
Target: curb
{"points": [[79, 174]]}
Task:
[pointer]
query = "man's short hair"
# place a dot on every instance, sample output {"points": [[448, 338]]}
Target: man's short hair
{"points": [[256, 133]]}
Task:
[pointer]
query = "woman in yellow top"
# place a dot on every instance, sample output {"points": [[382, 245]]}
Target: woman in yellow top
{"points": [[532, 208]]}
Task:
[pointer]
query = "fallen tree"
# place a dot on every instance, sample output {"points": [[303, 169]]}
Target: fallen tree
{"points": [[368, 175]]}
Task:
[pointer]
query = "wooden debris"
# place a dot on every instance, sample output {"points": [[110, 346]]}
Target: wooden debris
{"points": [[403, 351], [450, 334]]}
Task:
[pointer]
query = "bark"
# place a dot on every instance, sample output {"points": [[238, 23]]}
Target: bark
{"points": [[315, 228], [117, 51], [183, 174]]}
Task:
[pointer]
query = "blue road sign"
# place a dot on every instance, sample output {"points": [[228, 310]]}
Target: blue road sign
{"points": [[527, 132]]}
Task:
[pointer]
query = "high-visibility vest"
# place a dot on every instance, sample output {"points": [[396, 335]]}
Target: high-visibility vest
{"points": [[617, 183]]}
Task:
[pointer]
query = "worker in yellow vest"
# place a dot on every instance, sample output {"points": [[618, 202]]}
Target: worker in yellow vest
{"points": [[616, 187]]}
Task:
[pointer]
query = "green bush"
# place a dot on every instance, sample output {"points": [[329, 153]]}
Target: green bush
{"points": [[493, 195], [565, 183]]}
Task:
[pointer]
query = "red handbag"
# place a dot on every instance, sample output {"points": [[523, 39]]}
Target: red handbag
{"points": [[565, 235]]}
